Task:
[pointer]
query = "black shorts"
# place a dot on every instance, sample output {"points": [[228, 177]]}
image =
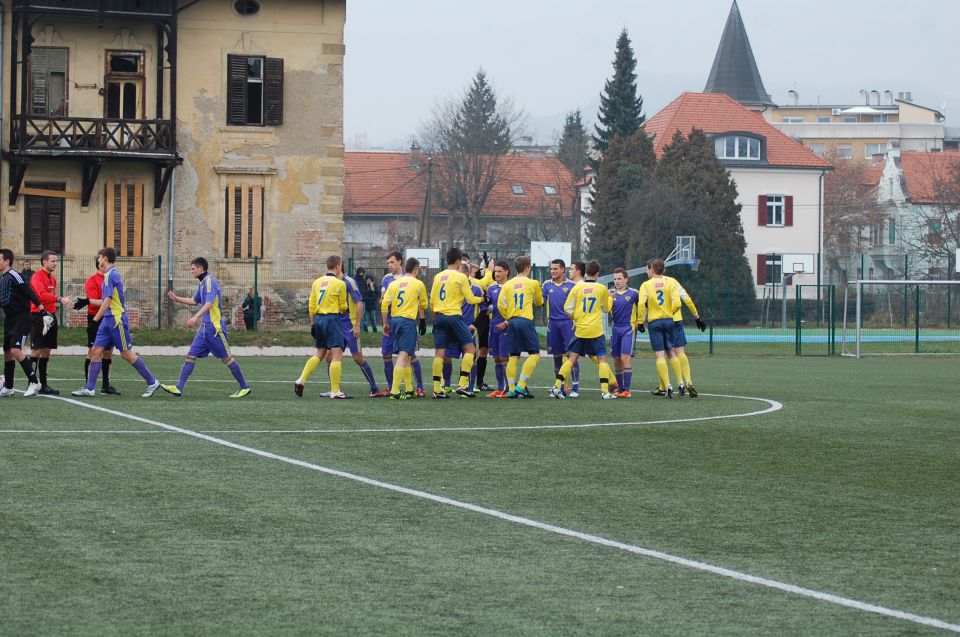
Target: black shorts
{"points": [[92, 328], [39, 340], [16, 329], [482, 323]]}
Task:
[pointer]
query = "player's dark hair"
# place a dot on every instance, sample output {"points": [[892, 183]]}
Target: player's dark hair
{"points": [[333, 261], [46, 254], [501, 263], [109, 253], [580, 267], [464, 256], [621, 271], [7, 255], [95, 262], [593, 268], [559, 262], [521, 263], [201, 262], [454, 255], [411, 265], [656, 264], [396, 255]]}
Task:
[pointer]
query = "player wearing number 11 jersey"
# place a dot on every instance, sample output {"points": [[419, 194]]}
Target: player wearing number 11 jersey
{"points": [[517, 299]]}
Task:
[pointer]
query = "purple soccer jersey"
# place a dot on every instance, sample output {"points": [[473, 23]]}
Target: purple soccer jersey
{"points": [[208, 291], [624, 311], [554, 296], [469, 310], [113, 291]]}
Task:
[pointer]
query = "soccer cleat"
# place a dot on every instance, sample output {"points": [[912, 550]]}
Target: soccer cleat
{"points": [[524, 392], [477, 390], [151, 390], [410, 395], [172, 390], [298, 389], [4, 392], [240, 393], [339, 395], [485, 387], [512, 394], [625, 393], [83, 392], [495, 394], [669, 391], [32, 390], [325, 394], [47, 390], [681, 389], [447, 390], [440, 396], [573, 394], [692, 391], [397, 396], [557, 393], [383, 393], [608, 396], [110, 390], [658, 392], [463, 392], [421, 393]]}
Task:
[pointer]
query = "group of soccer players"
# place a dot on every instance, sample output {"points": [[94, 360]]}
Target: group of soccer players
{"points": [[479, 310]]}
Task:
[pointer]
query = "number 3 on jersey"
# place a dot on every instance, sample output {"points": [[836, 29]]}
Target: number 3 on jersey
{"points": [[659, 297]]}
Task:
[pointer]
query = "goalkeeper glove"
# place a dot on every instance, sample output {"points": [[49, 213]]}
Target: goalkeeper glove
{"points": [[701, 325], [48, 322], [641, 328], [79, 304], [313, 331], [423, 326]]}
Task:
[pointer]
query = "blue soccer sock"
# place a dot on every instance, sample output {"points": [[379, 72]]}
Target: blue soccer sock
{"points": [[447, 372], [619, 376], [234, 368], [501, 369], [388, 371], [368, 374], [91, 376], [418, 372], [141, 368], [627, 379], [185, 372], [575, 376]]}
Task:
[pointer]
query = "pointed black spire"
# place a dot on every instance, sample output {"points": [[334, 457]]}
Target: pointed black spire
{"points": [[734, 69]]}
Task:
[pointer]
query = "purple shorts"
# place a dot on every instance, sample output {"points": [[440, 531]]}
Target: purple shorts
{"points": [[497, 342], [207, 342], [386, 346], [110, 335], [349, 340], [559, 333], [622, 340]]}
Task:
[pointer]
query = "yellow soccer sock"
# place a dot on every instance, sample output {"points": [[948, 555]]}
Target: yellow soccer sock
{"points": [[675, 368], [312, 363], [408, 377], [529, 366], [512, 365], [465, 366], [685, 367], [663, 373], [437, 374], [604, 378], [397, 379], [336, 373], [564, 373]]}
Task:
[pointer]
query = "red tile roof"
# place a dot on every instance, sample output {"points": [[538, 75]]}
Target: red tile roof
{"points": [[872, 173], [719, 113], [931, 178], [383, 183]]}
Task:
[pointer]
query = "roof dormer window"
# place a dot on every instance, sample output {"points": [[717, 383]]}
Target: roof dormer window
{"points": [[517, 189], [737, 147]]}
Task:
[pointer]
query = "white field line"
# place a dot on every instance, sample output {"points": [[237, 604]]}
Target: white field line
{"points": [[516, 519], [772, 406]]}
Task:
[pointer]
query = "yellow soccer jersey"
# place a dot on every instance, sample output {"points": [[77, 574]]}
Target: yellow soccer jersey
{"points": [[518, 297], [659, 298], [586, 303], [484, 282], [687, 300], [328, 296], [405, 297], [449, 290]]}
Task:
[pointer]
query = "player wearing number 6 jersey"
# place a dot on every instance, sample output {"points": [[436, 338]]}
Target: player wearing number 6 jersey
{"points": [[659, 300], [404, 300], [447, 294], [517, 299]]}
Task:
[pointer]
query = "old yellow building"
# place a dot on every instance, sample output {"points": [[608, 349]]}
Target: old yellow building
{"points": [[232, 109]]}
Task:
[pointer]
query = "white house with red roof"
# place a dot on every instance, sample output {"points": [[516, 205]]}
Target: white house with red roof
{"points": [[779, 183]]}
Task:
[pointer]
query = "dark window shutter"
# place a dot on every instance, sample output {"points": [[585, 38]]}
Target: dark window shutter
{"points": [[762, 210], [34, 210], [39, 67], [788, 210], [273, 92], [237, 89], [761, 269], [55, 219]]}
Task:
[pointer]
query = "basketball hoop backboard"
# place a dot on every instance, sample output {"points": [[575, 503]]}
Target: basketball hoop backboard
{"points": [[685, 252], [799, 263]]}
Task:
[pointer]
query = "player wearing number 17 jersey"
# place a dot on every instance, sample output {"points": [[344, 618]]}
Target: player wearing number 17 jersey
{"points": [[659, 300], [403, 301], [517, 300], [450, 288]]}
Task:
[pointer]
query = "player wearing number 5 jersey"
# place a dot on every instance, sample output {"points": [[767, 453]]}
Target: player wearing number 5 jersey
{"points": [[517, 299], [403, 301], [659, 300], [447, 294]]}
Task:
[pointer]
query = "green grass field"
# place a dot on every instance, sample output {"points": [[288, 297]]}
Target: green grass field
{"points": [[114, 525]]}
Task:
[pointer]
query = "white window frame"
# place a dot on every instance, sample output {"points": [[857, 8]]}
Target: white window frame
{"points": [[517, 189], [791, 120], [866, 149], [740, 147], [844, 151], [819, 149], [824, 119], [776, 209], [774, 261], [550, 190]]}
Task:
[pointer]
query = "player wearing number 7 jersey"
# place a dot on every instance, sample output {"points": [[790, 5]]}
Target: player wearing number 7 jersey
{"points": [[517, 299], [659, 300], [447, 294]]}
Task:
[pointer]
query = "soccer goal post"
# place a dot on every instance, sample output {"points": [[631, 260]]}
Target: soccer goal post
{"points": [[900, 317]]}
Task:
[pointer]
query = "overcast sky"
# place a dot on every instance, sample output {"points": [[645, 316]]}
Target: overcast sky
{"points": [[553, 56]]}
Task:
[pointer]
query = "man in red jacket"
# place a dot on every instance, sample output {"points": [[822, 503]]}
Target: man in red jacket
{"points": [[42, 341]]}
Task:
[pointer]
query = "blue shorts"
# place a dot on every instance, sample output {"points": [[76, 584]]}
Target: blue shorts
{"points": [[456, 351], [559, 333], [497, 342], [327, 331], [450, 331], [404, 335], [622, 340], [386, 343], [110, 335], [679, 336], [588, 346], [349, 340], [207, 342], [522, 337], [661, 334]]}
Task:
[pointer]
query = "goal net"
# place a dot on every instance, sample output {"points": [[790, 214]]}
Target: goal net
{"points": [[900, 317]]}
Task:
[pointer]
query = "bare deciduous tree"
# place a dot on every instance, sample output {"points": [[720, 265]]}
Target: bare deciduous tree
{"points": [[850, 205]]}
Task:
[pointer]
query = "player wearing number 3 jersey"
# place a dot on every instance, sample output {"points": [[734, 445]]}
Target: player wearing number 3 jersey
{"points": [[517, 299], [659, 300]]}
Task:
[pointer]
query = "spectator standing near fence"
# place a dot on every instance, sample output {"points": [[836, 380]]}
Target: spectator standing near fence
{"points": [[251, 307], [371, 301]]}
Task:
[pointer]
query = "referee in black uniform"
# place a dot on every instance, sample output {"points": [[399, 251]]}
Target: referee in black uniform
{"points": [[15, 297]]}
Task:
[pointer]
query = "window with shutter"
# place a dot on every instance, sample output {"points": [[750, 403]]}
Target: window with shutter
{"points": [[123, 217], [43, 221], [48, 82], [788, 210], [243, 221], [762, 210], [273, 92], [254, 90]]}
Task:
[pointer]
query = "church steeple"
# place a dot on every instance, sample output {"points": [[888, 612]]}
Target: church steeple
{"points": [[734, 69]]}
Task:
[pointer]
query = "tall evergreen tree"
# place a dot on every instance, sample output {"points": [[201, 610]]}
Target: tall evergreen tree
{"points": [[628, 167], [689, 172], [573, 148], [621, 107]]}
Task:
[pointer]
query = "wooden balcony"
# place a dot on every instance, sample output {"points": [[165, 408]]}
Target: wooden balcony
{"points": [[101, 9], [79, 137]]}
